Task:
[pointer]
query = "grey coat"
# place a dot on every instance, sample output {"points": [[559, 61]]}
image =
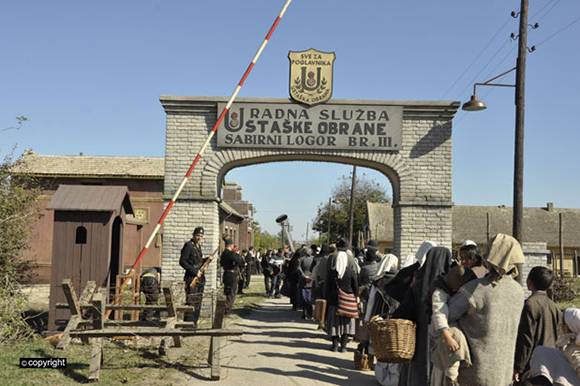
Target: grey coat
{"points": [[488, 314]]}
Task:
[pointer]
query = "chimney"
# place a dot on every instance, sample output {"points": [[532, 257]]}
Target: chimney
{"points": [[549, 206]]}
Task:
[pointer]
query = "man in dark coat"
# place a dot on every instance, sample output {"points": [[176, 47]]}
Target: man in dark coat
{"points": [[230, 263], [191, 260], [305, 283], [150, 280]]}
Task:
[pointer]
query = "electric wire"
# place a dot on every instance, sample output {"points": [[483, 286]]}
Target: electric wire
{"points": [[478, 56], [576, 20], [476, 77], [553, 5]]}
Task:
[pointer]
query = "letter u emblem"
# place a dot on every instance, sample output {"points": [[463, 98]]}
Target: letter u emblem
{"points": [[234, 120]]}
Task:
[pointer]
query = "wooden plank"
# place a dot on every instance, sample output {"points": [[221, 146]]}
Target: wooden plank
{"points": [[138, 323], [71, 297], [111, 306], [152, 331], [215, 341], [118, 295], [98, 311], [87, 294], [168, 293], [70, 326], [96, 358], [169, 303]]}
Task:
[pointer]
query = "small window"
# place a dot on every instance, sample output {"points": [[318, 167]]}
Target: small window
{"points": [[81, 235]]}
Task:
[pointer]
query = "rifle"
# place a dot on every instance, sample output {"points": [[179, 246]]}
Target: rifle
{"points": [[203, 268]]}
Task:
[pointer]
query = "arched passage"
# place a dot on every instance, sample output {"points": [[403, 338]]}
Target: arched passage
{"points": [[419, 171]]}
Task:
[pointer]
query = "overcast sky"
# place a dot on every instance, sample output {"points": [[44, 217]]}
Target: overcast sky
{"points": [[88, 75]]}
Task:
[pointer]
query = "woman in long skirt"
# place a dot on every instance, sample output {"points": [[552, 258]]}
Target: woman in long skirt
{"points": [[343, 284]]}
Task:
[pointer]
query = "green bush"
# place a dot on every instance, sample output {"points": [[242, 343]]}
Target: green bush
{"points": [[564, 289], [18, 208]]}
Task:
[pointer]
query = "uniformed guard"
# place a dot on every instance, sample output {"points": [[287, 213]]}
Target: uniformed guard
{"points": [[230, 262], [191, 260], [150, 280]]}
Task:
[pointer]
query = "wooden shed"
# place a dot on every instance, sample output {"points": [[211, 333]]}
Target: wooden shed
{"points": [[88, 240]]}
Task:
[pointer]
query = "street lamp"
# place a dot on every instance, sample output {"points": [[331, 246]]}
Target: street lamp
{"points": [[476, 105]]}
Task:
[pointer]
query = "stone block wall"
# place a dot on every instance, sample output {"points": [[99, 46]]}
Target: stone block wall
{"points": [[420, 173]]}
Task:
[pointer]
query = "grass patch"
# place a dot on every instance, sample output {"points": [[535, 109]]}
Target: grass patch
{"points": [[124, 363], [252, 297]]}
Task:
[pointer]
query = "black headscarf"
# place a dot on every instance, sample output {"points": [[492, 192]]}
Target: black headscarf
{"points": [[437, 262]]}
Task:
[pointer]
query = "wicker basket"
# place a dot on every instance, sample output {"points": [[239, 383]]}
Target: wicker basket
{"points": [[362, 362], [393, 340]]}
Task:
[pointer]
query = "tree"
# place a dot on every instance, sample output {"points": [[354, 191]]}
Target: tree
{"points": [[264, 240], [18, 208], [365, 190]]}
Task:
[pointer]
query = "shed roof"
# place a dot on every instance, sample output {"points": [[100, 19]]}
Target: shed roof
{"points": [[91, 166], [91, 198]]}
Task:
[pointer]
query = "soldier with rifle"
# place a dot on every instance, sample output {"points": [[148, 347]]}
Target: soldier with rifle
{"points": [[192, 261]]}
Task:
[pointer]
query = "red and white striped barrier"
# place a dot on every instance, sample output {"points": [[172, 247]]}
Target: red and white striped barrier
{"points": [[210, 136]]}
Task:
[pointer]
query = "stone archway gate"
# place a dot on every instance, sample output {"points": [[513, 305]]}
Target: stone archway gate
{"points": [[417, 163]]}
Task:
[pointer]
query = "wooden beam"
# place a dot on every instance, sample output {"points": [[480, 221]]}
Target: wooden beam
{"points": [[96, 358], [87, 294], [71, 297], [171, 313], [143, 307], [215, 341], [73, 323], [98, 311], [152, 331]]}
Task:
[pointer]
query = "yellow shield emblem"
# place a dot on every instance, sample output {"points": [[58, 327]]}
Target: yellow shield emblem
{"points": [[311, 76]]}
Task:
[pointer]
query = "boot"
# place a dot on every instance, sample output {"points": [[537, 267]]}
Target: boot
{"points": [[343, 341], [334, 346]]}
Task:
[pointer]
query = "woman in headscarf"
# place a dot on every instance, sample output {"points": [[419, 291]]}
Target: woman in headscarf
{"points": [[417, 307], [424, 248], [342, 277], [488, 311]]}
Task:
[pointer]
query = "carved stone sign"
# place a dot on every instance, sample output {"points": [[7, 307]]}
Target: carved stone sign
{"points": [[311, 76], [328, 127]]}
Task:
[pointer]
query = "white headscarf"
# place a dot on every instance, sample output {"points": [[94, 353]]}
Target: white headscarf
{"points": [[340, 263], [388, 264], [423, 249], [572, 319]]}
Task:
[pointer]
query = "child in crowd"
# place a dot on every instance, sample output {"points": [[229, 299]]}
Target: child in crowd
{"points": [[449, 344], [538, 323]]}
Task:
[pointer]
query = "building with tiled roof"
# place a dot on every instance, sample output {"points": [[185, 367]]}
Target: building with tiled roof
{"points": [[143, 176], [479, 223]]}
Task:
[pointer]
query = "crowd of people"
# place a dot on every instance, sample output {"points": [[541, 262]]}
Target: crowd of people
{"points": [[473, 324]]}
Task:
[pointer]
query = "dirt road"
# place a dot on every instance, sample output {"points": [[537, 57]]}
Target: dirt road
{"points": [[278, 348]]}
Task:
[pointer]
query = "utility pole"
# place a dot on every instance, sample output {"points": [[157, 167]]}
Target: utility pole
{"points": [[518, 206], [329, 203], [520, 113], [307, 225], [351, 216]]}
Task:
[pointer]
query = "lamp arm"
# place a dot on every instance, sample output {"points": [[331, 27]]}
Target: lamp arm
{"points": [[500, 75]]}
